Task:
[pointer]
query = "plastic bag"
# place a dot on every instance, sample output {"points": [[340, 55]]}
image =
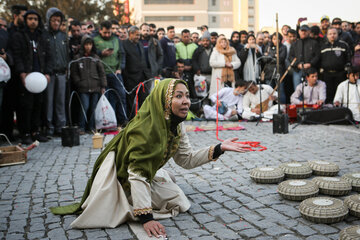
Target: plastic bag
{"points": [[105, 117], [5, 73], [200, 86]]}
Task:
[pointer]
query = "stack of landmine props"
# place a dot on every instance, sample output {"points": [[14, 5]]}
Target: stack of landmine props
{"points": [[317, 209]]}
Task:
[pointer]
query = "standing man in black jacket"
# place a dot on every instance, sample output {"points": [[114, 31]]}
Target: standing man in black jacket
{"points": [[31, 54], [11, 89], [56, 90], [335, 55], [307, 54], [136, 69], [201, 57]]}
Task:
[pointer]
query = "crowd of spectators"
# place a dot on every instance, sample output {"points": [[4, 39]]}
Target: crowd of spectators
{"points": [[78, 56]]}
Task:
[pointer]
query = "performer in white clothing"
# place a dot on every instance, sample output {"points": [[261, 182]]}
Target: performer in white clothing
{"points": [[230, 103], [348, 93], [252, 99]]}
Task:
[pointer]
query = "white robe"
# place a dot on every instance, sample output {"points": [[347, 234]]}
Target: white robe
{"points": [[251, 100], [354, 97], [108, 206], [227, 96]]}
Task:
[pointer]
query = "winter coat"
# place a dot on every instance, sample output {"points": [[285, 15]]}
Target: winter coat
{"points": [[200, 60], [87, 74], [270, 64], [335, 56], [58, 44], [217, 62], [23, 50], [155, 56], [169, 52], [305, 51], [136, 70]]}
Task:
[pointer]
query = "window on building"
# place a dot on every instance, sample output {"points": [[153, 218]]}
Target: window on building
{"points": [[213, 19], [168, 1], [213, 2], [169, 18]]}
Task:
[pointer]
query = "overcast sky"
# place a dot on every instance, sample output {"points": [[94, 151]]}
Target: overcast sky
{"points": [[290, 10]]}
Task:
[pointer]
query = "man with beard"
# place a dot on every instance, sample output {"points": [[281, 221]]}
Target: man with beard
{"points": [[213, 38], [260, 40], [111, 51], [56, 89], [152, 49], [344, 36], [31, 54], [324, 25], [152, 30], [201, 57], [75, 39], [243, 37], [11, 89], [136, 70], [169, 50], [235, 43]]}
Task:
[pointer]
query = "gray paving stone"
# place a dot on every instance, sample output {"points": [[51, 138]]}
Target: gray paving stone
{"points": [[324, 229], [221, 231], [73, 234], [204, 218], [250, 233], [277, 231], [56, 233], [289, 237], [36, 235], [317, 237], [186, 224], [195, 233], [304, 230]]}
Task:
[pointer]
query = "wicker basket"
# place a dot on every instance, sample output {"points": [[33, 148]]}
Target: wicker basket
{"points": [[12, 155], [323, 210], [350, 233], [298, 190], [353, 203], [353, 179], [332, 186], [296, 170], [323, 168], [267, 175]]}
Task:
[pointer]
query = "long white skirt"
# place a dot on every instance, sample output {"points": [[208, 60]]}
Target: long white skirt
{"points": [[107, 205]]}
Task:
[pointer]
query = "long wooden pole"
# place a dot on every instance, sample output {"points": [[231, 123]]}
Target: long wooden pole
{"points": [[278, 61]]}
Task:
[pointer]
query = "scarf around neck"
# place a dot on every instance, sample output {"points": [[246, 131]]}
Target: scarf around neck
{"points": [[227, 74]]}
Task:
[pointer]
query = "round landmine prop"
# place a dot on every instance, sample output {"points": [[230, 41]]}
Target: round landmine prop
{"points": [[267, 175], [323, 209], [323, 168], [350, 233], [296, 170], [353, 203], [353, 179], [332, 186], [298, 190]]}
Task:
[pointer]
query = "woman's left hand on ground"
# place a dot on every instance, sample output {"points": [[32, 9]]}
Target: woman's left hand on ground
{"points": [[231, 145]]}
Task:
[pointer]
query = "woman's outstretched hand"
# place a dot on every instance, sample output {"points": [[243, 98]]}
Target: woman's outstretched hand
{"points": [[154, 228], [231, 145]]}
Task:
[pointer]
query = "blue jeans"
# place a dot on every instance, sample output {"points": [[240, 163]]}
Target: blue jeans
{"points": [[118, 99], [297, 78], [88, 101]]}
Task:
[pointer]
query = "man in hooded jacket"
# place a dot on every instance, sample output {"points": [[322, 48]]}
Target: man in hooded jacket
{"points": [[31, 54], [55, 93]]}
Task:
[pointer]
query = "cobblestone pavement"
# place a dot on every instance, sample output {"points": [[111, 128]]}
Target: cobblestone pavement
{"points": [[226, 204]]}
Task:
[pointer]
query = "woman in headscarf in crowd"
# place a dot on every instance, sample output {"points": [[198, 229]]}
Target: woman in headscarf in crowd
{"points": [[223, 61], [248, 56], [128, 182], [270, 63]]}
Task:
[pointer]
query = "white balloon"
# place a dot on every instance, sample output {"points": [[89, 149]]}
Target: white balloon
{"points": [[35, 82]]}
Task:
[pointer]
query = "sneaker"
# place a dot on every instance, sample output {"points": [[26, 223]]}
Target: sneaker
{"points": [[38, 137], [26, 139]]}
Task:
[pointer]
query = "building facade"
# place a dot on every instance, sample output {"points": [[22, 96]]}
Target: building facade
{"points": [[223, 16]]}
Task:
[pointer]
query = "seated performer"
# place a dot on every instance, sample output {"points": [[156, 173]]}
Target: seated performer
{"points": [[251, 101], [128, 182], [230, 103], [348, 93], [314, 90]]}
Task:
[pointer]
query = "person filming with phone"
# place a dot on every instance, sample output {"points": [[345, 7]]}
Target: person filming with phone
{"points": [[111, 52]]}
